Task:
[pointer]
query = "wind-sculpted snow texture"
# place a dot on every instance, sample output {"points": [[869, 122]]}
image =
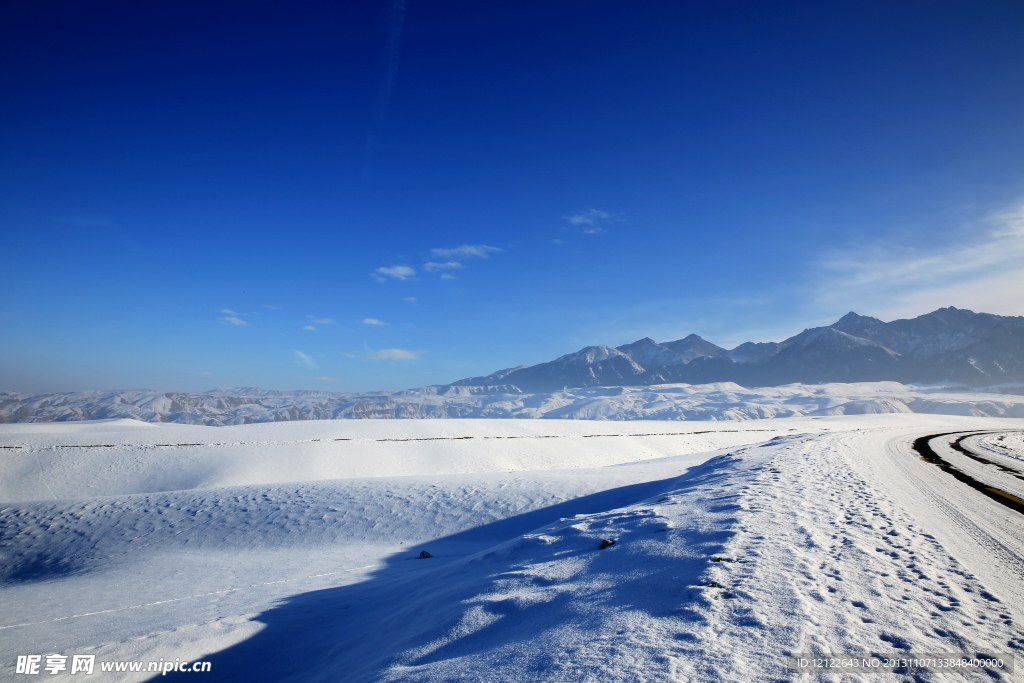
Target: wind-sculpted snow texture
{"points": [[946, 346], [719, 401], [734, 546]]}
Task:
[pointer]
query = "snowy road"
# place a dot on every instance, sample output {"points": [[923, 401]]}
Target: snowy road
{"points": [[994, 474], [827, 536], [985, 525]]}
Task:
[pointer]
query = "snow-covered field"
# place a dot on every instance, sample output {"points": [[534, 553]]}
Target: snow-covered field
{"points": [[675, 402], [290, 551]]}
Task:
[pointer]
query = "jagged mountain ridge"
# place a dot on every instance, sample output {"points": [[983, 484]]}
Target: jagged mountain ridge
{"points": [[589, 367], [648, 353], [946, 345]]}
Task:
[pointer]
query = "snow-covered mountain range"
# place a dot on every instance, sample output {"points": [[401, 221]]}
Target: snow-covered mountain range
{"points": [[948, 345], [858, 365], [717, 401]]}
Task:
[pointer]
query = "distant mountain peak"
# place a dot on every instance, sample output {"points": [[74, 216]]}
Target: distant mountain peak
{"points": [[648, 353], [589, 355], [694, 346], [638, 345], [646, 341], [852, 318]]}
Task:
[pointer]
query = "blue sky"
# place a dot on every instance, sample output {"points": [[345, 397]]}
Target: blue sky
{"points": [[379, 195]]}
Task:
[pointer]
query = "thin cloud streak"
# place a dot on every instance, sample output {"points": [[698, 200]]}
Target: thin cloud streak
{"points": [[372, 321], [232, 320], [466, 251], [306, 360], [394, 354], [986, 272], [397, 272], [387, 86], [591, 221], [588, 217], [431, 266]]}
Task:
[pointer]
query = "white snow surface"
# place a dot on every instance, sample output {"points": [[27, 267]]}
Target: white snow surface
{"points": [[279, 552], [717, 401]]}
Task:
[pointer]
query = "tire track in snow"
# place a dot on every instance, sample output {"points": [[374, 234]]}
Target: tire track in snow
{"points": [[1012, 561], [923, 447]]}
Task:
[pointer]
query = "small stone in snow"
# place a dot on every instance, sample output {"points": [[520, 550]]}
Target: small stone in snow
{"points": [[607, 542], [425, 555]]}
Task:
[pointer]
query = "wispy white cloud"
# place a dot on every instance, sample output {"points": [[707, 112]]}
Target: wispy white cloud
{"points": [[466, 251], [323, 321], [447, 276], [982, 271], [227, 311], [272, 307], [592, 221], [409, 299], [394, 354], [309, 328], [588, 217], [431, 266], [306, 360], [324, 379], [397, 272], [232, 320], [372, 321]]}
